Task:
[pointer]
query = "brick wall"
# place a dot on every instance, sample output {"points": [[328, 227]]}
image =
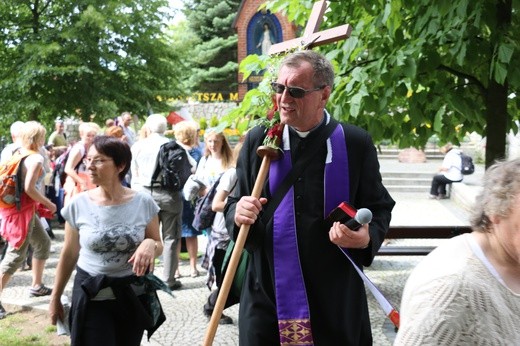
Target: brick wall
{"points": [[248, 10]]}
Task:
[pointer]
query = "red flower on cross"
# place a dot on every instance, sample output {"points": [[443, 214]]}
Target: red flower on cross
{"points": [[274, 130], [271, 113]]}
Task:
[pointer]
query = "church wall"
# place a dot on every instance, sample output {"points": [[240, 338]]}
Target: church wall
{"points": [[208, 110], [248, 10]]}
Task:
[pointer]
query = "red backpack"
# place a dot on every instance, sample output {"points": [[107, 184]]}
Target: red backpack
{"points": [[11, 186]]}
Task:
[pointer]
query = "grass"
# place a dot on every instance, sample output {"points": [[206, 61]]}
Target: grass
{"points": [[29, 328], [185, 257], [10, 333]]}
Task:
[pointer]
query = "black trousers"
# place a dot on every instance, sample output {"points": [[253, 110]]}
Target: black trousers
{"points": [[439, 185], [105, 325], [218, 259]]}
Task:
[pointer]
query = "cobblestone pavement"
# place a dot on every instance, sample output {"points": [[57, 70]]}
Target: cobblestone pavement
{"points": [[186, 325]]}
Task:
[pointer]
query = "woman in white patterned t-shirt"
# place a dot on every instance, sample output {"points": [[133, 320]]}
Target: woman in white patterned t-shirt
{"points": [[112, 238]]}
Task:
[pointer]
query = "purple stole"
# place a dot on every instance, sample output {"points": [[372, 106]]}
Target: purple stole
{"points": [[291, 299]]}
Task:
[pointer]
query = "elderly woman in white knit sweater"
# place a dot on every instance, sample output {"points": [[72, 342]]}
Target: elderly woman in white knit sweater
{"points": [[467, 291]]}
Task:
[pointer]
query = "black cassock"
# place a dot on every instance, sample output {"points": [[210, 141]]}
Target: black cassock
{"points": [[335, 292]]}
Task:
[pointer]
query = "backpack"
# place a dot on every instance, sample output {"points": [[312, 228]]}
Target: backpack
{"points": [[11, 186], [59, 167], [203, 214], [173, 165], [467, 166]]}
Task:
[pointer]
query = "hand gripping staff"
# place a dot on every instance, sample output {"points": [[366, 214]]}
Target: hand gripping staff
{"points": [[267, 153]]}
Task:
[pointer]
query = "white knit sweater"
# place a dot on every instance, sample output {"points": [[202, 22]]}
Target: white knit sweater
{"points": [[455, 297]]}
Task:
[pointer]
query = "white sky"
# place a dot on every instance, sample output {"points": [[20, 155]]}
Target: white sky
{"points": [[176, 5]]}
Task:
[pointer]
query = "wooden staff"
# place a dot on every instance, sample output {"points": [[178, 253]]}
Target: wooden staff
{"points": [[267, 154]]}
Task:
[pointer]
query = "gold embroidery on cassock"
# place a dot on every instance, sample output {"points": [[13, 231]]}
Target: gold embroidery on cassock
{"points": [[295, 332]]}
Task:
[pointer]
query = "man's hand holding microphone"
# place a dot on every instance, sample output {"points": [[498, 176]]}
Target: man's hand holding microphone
{"points": [[350, 227]]}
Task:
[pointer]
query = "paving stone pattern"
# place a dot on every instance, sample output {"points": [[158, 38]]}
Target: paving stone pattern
{"points": [[186, 324]]}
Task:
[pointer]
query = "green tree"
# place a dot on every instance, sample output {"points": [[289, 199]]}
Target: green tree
{"points": [[182, 39], [84, 58], [412, 69], [214, 59]]}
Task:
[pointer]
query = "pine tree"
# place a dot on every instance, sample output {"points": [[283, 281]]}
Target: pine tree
{"points": [[214, 59]]}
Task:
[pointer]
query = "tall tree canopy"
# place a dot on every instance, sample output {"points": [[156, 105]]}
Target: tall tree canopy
{"points": [[83, 58], [214, 59], [415, 68], [182, 40]]}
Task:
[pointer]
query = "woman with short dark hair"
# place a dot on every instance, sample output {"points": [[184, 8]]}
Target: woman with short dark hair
{"points": [[112, 235]]}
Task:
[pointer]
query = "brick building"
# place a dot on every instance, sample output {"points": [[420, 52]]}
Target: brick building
{"points": [[254, 26]]}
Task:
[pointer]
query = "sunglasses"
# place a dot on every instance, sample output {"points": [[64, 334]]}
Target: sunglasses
{"points": [[295, 92]]}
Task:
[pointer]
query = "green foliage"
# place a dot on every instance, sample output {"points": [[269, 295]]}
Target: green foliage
{"points": [[256, 102], [83, 58], [213, 122], [212, 60], [203, 123], [182, 39], [298, 13], [412, 69]]}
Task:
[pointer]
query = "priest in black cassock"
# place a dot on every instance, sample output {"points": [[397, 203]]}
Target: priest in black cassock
{"points": [[299, 288]]}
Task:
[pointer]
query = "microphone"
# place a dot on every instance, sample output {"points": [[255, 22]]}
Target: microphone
{"points": [[363, 216]]}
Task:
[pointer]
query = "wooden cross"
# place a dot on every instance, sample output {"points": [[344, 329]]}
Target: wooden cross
{"points": [[311, 36]]}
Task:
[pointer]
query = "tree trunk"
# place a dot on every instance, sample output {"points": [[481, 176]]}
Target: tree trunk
{"points": [[496, 120], [496, 99]]}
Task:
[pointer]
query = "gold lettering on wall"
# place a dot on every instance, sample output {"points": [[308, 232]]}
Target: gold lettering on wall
{"points": [[208, 97]]}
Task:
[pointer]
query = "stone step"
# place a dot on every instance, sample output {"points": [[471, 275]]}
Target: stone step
{"points": [[389, 150], [432, 152], [408, 174], [407, 188], [414, 180], [402, 181], [407, 181], [387, 155]]}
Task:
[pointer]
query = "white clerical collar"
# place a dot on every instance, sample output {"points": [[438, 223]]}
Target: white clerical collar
{"points": [[302, 134]]}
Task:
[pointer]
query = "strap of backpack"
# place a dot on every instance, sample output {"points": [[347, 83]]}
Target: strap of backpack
{"points": [[81, 161], [18, 188], [157, 170], [158, 166], [298, 168]]}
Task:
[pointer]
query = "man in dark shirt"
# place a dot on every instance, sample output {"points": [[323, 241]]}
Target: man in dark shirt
{"points": [[299, 286]]}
